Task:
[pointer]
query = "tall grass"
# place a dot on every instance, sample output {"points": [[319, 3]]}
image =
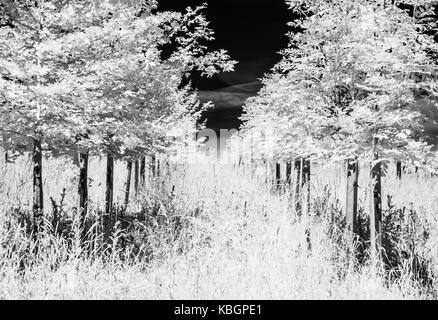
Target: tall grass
{"points": [[205, 230]]}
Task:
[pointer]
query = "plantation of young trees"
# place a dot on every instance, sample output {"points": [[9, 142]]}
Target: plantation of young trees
{"points": [[346, 90], [82, 78], [100, 93]]}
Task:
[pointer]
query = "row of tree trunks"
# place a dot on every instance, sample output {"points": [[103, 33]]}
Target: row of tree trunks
{"points": [[82, 208], [139, 177], [155, 166], [375, 207], [38, 199], [302, 168]]}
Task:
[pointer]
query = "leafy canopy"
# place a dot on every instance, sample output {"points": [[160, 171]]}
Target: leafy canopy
{"points": [[90, 75], [348, 84]]}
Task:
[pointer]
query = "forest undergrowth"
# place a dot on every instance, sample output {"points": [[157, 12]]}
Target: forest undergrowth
{"points": [[215, 231]]}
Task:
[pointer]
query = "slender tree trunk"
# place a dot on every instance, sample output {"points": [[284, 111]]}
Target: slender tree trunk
{"points": [[136, 174], [302, 167], [376, 212], [109, 194], [153, 166], [277, 176], [83, 190], [306, 181], [288, 173], [306, 171], [38, 201], [399, 169], [303, 181], [107, 218], [128, 182], [167, 163], [298, 169], [266, 167], [158, 168], [142, 171], [351, 203]]}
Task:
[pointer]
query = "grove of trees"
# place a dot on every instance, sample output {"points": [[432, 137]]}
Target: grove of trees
{"points": [[86, 77], [346, 90], [80, 78]]}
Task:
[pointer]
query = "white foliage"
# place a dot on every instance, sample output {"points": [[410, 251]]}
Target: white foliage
{"points": [[347, 83]]}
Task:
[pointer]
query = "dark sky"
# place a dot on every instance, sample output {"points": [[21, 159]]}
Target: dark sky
{"points": [[253, 31]]}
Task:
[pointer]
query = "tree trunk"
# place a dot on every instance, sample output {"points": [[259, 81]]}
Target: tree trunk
{"points": [[158, 168], [266, 167], [277, 176], [351, 203], [142, 171], [153, 166], [107, 218], [298, 169], [302, 167], [306, 171], [288, 173], [38, 203], [399, 169], [306, 181], [109, 194], [128, 182], [168, 166], [83, 190], [136, 174], [376, 211]]}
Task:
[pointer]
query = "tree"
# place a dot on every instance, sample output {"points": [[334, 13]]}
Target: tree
{"points": [[89, 77], [346, 86]]}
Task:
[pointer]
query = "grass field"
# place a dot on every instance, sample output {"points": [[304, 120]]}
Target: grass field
{"points": [[203, 230]]}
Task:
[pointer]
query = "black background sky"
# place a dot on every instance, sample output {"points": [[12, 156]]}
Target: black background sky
{"points": [[253, 31]]}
